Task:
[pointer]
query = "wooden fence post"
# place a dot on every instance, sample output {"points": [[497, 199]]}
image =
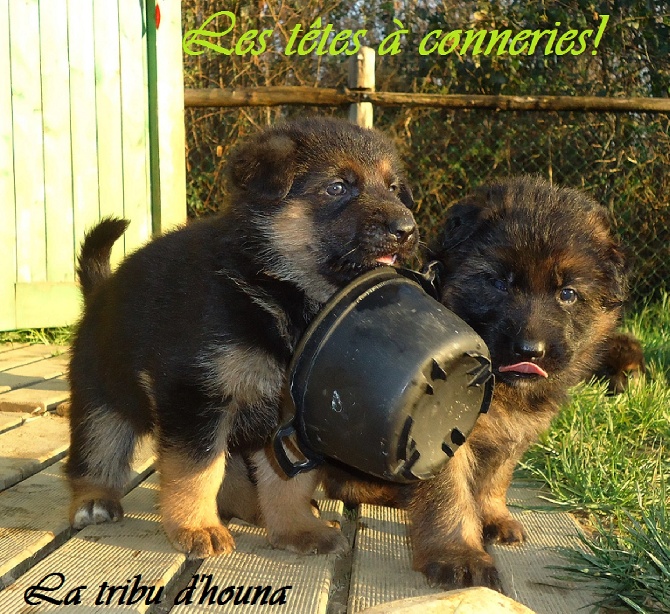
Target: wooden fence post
{"points": [[362, 79]]}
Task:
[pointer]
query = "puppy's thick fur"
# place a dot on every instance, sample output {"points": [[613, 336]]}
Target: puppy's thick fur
{"points": [[190, 338], [622, 362], [535, 271]]}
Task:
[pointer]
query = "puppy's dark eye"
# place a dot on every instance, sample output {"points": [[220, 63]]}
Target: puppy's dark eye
{"points": [[336, 189], [500, 284], [393, 188], [568, 296]]}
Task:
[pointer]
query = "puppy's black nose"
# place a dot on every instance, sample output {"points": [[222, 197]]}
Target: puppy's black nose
{"points": [[402, 228], [529, 349]]}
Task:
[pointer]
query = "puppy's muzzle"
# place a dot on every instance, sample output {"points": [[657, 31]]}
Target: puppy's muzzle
{"points": [[402, 228], [529, 349]]}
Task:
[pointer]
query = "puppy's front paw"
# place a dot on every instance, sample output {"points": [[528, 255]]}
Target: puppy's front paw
{"points": [[504, 531], [462, 569], [203, 542], [321, 539], [95, 511]]}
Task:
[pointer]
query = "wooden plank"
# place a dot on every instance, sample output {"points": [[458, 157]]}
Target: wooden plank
{"points": [[57, 143], [382, 563], [279, 95], [524, 568], [382, 571], [7, 202], [27, 450], [256, 563], [46, 304], [12, 345], [39, 370], [85, 192], [37, 398], [27, 375], [10, 420], [268, 96], [11, 358], [28, 141], [170, 116], [134, 123], [588, 104], [33, 515], [108, 113], [113, 553]]}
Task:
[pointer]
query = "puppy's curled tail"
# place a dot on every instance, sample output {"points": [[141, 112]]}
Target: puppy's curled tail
{"points": [[93, 264]]}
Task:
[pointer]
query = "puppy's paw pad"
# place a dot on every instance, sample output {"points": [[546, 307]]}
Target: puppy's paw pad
{"points": [[203, 543], [324, 540], [96, 511], [463, 570], [505, 531]]}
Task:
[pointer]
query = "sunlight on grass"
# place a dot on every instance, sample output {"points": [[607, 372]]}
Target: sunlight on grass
{"points": [[631, 557], [49, 336], [608, 459]]}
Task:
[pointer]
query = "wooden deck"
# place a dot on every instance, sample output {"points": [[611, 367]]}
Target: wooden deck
{"points": [[122, 566]]}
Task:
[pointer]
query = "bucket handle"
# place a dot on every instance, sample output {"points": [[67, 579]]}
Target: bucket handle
{"points": [[289, 467], [429, 278]]}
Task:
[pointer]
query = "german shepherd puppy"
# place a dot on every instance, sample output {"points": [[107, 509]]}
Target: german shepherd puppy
{"points": [[622, 362], [191, 337], [536, 272]]}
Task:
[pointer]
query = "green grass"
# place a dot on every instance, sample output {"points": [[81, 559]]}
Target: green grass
{"points": [[608, 460], [55, 336], [630, 557]]}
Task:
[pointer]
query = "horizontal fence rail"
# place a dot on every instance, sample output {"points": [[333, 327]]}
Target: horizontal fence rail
{"points": [[300, 95], [615, 148]]}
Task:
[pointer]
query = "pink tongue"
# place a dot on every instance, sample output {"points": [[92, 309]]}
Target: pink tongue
{"points": [[390, 260], [525, 367]]}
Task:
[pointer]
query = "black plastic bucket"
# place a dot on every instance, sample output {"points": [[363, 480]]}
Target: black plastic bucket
{"points": [[386, 380]]}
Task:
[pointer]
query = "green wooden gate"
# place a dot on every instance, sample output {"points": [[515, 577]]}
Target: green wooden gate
{"points": [[91, 124]]}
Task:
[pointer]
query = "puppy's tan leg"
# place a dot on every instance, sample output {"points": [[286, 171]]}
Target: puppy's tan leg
{"points": [[188, 503], [446, 529], [354, 490], [287, 512], [499, 526], [238, 496]]}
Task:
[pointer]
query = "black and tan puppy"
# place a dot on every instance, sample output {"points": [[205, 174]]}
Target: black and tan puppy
{"points": [[622, 362], [536, 272], [190, 338]]}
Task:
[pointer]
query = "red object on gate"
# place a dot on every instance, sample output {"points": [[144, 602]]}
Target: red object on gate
{"points": [[158, 16]]}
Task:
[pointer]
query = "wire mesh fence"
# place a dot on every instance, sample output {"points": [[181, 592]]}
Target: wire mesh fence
{"points": [[622, 160]]}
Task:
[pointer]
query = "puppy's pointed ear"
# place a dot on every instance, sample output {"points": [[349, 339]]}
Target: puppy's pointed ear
{"points": [[617, 272], [461, 222], [614, 260], [264, 166], [405, 195]]}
